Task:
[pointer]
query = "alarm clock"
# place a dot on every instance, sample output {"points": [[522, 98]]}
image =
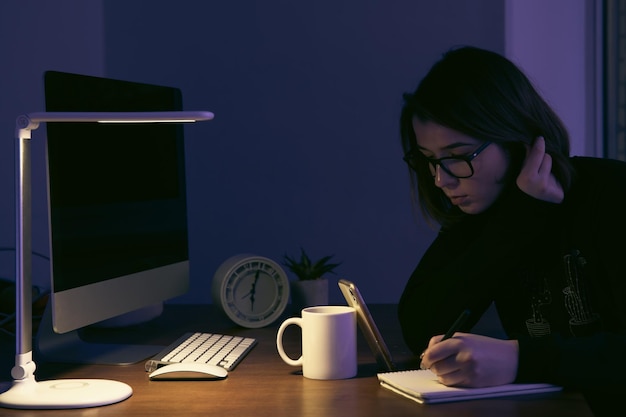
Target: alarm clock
{"points": [[253, 291]]}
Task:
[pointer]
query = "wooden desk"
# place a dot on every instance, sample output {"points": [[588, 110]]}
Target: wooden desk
{"points": [[263, 385]]}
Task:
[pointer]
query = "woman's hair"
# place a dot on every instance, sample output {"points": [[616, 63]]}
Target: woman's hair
{"points": [[485, 96]]}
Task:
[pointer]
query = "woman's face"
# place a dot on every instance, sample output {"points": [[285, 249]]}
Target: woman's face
{"points": [[471, 195]]}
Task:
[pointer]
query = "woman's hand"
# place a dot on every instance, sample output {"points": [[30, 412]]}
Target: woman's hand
{"points": [[471, 360], [536, 178]]}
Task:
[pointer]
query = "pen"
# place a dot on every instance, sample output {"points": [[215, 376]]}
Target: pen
{"points": [[457, 325], [452, 330]]}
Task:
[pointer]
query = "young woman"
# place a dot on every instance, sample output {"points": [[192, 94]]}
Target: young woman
{"points": [[522, 225]]}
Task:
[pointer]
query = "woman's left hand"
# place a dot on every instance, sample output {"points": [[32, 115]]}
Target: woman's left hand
{"points": [[536, 178], [471, 360]]}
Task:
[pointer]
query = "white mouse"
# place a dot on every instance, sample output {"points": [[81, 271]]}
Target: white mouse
{"points": [[188, 371]]}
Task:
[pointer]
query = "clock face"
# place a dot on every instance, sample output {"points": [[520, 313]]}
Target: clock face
{"points": [[252, 290]]}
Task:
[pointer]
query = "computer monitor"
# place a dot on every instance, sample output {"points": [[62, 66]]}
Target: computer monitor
{"points": [[117, 213]]}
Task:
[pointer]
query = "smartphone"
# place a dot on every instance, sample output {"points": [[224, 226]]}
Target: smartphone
{"points": [[367, 325]]}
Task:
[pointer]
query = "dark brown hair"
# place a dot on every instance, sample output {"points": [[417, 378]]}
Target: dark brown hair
{"points": [[485, 96]]}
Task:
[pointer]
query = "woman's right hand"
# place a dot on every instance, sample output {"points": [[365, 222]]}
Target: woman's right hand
{"points": [[472, 360], [536, 178]]}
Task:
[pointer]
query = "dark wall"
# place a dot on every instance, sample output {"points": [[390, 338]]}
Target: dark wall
{"points": [[36, 36], [304, 148]]}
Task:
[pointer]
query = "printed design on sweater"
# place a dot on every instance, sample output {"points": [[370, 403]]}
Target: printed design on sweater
{"points": [[538, 325], [582, 319]]}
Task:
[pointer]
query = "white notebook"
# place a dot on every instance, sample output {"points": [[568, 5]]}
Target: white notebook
{"points": [[422, 386]]}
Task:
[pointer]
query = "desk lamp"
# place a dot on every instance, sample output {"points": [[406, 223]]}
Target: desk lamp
{"points": [[26, 392]]}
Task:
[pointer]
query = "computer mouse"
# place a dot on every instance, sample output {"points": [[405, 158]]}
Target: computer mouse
{"points": [[188, 371]]}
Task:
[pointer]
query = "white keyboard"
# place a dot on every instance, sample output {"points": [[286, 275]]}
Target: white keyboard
{"points": [[215, 349]]}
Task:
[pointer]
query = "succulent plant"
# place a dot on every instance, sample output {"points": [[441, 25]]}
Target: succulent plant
{"points": [[305, 269]]}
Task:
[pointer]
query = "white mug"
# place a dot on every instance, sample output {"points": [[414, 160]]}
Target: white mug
{"points": [[328, 342]]}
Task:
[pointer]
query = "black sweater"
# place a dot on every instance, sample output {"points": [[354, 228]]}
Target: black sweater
{"points": [[556, 272]]}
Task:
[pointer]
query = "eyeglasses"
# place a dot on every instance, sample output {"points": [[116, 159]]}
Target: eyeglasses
{"points": [[456, 166]]}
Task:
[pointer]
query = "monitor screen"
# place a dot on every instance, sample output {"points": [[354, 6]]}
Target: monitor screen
{"points": [[117, 201]]}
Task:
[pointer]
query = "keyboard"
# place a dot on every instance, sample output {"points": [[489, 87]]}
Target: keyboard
{"points": [[215, 349]]}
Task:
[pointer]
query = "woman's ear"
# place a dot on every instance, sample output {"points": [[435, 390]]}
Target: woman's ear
{"points": [[516, 153]]}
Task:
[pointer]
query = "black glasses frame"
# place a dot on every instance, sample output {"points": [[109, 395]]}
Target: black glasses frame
{"points": [[412, 159]]}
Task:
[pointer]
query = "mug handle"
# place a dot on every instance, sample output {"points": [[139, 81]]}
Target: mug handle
{"points": [[279, 341]]}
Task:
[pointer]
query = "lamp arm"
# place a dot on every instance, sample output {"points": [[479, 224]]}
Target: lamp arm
{"points": [[24, 124], [24, 366]]}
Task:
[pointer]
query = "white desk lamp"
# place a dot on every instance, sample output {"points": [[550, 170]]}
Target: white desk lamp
{"points": [[26, 392]]}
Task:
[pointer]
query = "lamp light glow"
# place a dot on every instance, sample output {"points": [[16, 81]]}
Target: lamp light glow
{"points": [[26, 392]]}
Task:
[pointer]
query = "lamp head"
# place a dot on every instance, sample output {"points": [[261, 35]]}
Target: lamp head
{"points": [[31, 121]]}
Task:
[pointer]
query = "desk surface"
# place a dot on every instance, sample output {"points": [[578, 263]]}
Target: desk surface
{"points": [[263, 385]]}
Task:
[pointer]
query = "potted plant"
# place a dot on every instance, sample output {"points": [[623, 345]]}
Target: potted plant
{"points": [[311, 287]]}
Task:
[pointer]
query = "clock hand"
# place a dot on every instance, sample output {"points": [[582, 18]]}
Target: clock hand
{"points": [[252, 291]]}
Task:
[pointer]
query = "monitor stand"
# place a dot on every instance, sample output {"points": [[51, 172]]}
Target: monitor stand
{"points": [[71, 348]]}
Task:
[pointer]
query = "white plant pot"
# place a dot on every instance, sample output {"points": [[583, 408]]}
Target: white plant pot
{"points": [[308, 293]]}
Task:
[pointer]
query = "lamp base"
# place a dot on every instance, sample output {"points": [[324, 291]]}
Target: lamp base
{"points": [[64, 393]]}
